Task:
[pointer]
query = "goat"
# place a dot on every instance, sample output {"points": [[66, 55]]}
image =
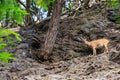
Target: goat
{"points": [[97, 44]]}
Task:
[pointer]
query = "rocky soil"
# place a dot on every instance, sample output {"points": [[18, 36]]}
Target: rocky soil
{"points": [[71, 58]]}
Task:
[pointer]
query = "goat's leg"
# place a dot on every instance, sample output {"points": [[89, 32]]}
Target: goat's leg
{"points": [[94, 51], [106, 48]]}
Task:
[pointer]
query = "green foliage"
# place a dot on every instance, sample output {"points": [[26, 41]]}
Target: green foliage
{"points": [[5, 33], [117, 17], [3, 45], [12, 9], [112, 3], [115, 4], [16, 14], [4, 56], [70, 5], [44, 3]]}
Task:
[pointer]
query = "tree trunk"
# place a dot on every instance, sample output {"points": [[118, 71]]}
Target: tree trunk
{"points": [[76, 2], [86, 3], [28, 19], [50, 8], [52, 31], [6, 20], [119, 7]]}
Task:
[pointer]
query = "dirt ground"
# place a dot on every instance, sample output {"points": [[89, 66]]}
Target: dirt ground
{"points": [[72, 59]]}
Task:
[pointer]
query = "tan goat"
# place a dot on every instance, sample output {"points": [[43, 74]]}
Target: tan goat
{"points": [[99, 43]]}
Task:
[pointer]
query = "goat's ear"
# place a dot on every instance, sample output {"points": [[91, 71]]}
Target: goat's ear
{"points": [[83, 39]]}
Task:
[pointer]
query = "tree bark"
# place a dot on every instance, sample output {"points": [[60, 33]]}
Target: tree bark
{"points": [[119, 7], [50, 7], [76, 2], [86, 3], [28, 19], [6, 20], [52, 31]]}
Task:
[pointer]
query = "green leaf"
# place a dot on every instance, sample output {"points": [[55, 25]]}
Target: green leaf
{"points": [[13, 10], [6, 32], [5, 56], [1, 39], [44, 3], [2, 45]]}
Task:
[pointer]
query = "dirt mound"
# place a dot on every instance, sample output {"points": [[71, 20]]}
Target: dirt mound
{"points": [[73, 59], [80, 68]]}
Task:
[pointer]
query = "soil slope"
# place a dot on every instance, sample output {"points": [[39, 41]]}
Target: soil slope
{"points": [[72, 59]]}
